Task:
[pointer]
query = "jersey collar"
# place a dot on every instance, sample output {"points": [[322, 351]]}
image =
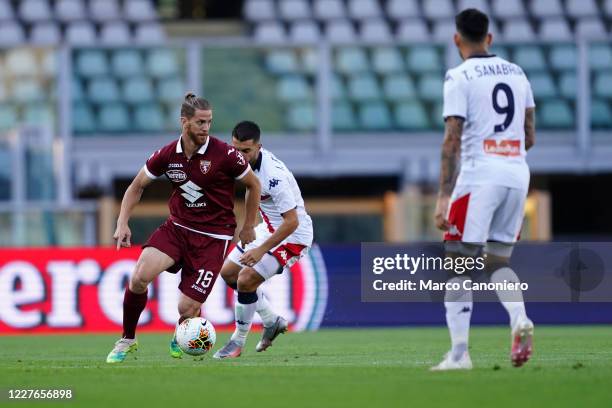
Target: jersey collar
{"points": [[482, 56], [201, 150], [257, 165]]}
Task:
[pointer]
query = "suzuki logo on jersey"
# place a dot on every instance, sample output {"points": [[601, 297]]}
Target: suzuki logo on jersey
{"points": [[502, 147], [273, 183], [192, 194]]}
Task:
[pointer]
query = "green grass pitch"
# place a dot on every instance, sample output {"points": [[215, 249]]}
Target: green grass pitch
{"points": [[572, 366]]}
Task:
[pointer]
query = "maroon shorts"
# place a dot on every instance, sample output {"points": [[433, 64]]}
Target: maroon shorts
{"points": [[198, 257]]}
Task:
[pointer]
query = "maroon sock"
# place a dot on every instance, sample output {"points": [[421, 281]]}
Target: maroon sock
{"points": [[133, 305]]}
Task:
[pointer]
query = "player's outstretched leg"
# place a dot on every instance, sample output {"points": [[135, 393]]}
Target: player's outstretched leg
{"points": [[273, 324]]}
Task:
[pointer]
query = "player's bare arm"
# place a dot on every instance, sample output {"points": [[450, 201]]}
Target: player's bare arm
{"points": [[288, 227], [451, 148], [130, 199], [529, 128], [252, 197]]}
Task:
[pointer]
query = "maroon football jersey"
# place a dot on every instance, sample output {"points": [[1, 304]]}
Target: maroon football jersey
{"points": [[202, 187]]}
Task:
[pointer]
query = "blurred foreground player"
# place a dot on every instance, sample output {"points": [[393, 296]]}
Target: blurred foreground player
{"points": [[195, 238], [489, 125], [282, 238]]}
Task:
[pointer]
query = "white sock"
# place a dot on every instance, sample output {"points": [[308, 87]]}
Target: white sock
{"points": [[458, 304], [512, 300], [268, 317], [244, 310]]}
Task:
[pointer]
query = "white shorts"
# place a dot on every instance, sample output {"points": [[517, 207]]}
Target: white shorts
{"points": [[273, 262], [481, 213]]}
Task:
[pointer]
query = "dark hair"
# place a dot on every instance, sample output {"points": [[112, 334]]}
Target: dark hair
{"points": [[191, 103], [472, 24], [246, 130]]}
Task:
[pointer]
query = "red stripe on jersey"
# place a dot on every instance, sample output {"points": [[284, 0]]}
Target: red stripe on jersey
{"points": [[267, 221], [456, 218]]}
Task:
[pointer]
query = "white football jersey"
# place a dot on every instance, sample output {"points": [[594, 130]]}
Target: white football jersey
{"points": [[491, 94], [279, 194]]}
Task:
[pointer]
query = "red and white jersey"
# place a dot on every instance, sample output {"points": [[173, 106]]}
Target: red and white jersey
{"points": [[279, 194], [202, 197], [491, 94]]}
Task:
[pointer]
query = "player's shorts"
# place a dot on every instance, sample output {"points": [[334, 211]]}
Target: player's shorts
{"points": [[199, 257], [481, 213], [273, 262]]}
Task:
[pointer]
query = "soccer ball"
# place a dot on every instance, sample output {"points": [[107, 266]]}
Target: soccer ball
{"points": [[196, 336]]}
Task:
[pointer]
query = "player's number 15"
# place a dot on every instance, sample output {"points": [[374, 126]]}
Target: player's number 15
{"points": [[205, 278]]}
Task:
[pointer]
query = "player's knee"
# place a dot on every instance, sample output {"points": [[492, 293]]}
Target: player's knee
{"points": [[138, 281], [189, 309], [494, 262], [248, 280], [230, 277]]}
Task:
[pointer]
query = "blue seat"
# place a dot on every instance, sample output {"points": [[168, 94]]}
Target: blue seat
{"points": [[563, 57], [162, 63], [568, 85], [387, 60], [41, 114], [603, 85], [343, 117], [90, 63], [500, 51], [422, 59], [103, 90], [138, 90], [293, 88], [556, 114], [399, 87], [600, 56], [601, 114], [171, 90], [149, 117], [430, 87], [530, 58], [127, 63], [375, 116], [28, 91], [282, 62], [364, 87], [114, 117], [338, 89], [352, 60], [83, 119], [78, 94], [411, 116], [8, 117], [301, 117], [543, 85]]}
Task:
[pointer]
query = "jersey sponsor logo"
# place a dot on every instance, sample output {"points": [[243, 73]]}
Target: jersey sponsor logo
{"points": [[283, 254], [502, 147], [239, 156], [175, 165], [176, 175], [191, 191], [205, 166], [273, 183]]}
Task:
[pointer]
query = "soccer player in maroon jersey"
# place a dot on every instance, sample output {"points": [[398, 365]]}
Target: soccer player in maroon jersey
{"points": [[195, 238]]}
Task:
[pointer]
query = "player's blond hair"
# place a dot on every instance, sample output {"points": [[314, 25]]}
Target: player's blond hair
{"points": [[191, 103]]}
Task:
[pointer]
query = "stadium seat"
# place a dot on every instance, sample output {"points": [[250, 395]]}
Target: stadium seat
{"points": [[600, 56], [581, 8], [352, 60], [103, 90], [41, 114], [590, 28], [162, 62], [414, 30], [148, 117], [8, 116], [27, 91], [115, 33], [518, 30], [83, 119], [543, 86], [530, 58], [70, 10], [363, 87], [149, 33], [6, 11], [259, 10], [563, 57], [270, 32], [364, 9], [305, 32], [301, 117], [444, 30], [500, 51], [386, 60], [104, 10], [555, 28], [309, 60], [77, 91], [90, 63], [375, 31], [49, 64], [438, 9], [114, 118], [170, 90], [374, 116], [601, 114], [402, 9], [21, 62], [424, 59], [139, 10], [329, 9], [343, 117], [293, 88], [555, 114], [481, 5], [32, 11], [603, 85], [340, 32], [430, 87], [398, 87], [546, 8], [80, 33], [568, 85], [137, 90], [127, 63], [46, 33], [410, 116], [504, 9], [292, 10], [11, 34], [281, 62], [337, 89]]}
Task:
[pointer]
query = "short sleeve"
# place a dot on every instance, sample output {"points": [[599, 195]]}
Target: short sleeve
{"points": [[455, 97], [237, 164], [529, 102], [156, 165], [280, 191]]}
